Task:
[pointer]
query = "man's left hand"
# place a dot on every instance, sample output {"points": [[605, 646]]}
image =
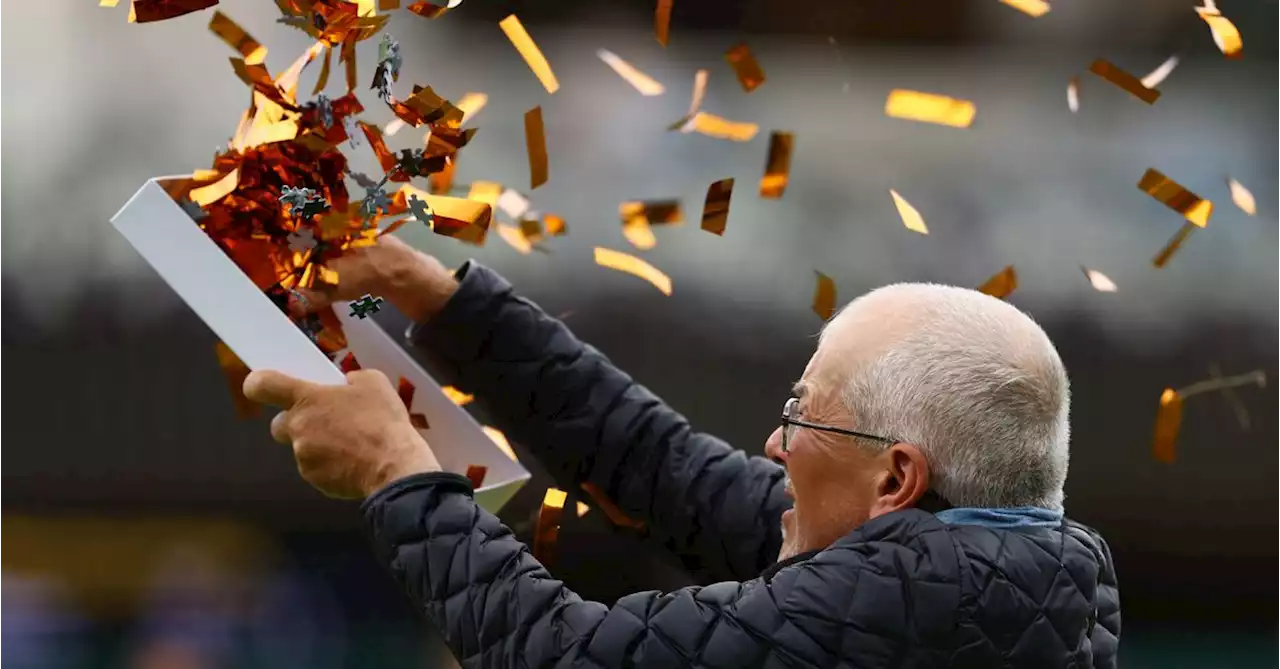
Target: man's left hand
{"points": [[349, 440]]}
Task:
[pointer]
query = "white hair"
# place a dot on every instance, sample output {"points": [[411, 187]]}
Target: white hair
{"points": [[976, 385]]}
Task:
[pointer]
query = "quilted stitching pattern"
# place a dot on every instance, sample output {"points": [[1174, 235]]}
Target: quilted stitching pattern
{"points": [[904, 590]]}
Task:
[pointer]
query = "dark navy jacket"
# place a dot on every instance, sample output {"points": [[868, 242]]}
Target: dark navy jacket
{"points": [[902, 590]]}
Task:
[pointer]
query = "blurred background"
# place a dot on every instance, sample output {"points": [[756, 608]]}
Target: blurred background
{"points": [[145, 526]]}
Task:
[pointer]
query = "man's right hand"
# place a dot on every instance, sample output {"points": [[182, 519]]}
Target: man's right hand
{"points": [[416, 283]]}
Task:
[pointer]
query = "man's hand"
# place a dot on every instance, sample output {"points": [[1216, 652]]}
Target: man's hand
{"points": [[416, 283], [349, 441]]}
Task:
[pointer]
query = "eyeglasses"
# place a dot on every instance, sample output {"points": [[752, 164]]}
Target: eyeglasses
{"points": [[790, 423]]}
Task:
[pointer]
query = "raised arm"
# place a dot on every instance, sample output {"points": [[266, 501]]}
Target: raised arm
{"points": [[586, 420], [496, 606]]}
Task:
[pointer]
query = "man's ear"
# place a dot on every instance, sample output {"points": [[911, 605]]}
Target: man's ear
{"points": [[904, 480]]}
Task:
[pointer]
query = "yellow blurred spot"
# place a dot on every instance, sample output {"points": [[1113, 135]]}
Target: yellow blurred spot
{"points": [[910, 217], [634, 266], [929, 108]]}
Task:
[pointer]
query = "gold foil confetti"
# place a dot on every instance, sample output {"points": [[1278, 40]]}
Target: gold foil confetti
{"points": [[638, 80], [531, 228], [406, 390], [108, 3], [235, 371], [1158, 75], [547, 531], [514, 238], [745, 67], [348, 56], [206, 195], [637, 217], [512, 203], [476, 474], [685, 124], [323, 79], [1129, 83], [777, 171], [146, 11], [929, 108], [1172, 195], [610, 509], [1175, 243], [1002, 284], [487, 192], [1032, 8], [583, 509], [500, 440], [471, 104], [388, 5], [1168, 424], [715, 210], [1073, 94], [911, 218], [533, 57], [535, 138], [1100, 282], [824, 297], [236, 38], [464, 219], [393, 127], [634, 266], [554, 225], [719, 127], [662, 21], [442, 181], [457, 396], [1242, 197], [1169, 415], [428, 10], [1225, 34]]}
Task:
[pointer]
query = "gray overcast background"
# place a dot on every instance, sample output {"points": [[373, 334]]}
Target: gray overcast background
{"points": [[115, 398]]}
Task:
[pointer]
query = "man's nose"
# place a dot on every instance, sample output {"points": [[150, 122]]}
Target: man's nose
{"points": [[773, 448]]}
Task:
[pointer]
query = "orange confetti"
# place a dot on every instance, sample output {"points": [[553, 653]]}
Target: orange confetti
{"points": [[610, 509], [719, 127], [715, 210], [554, 224], [1168, 424], [1242, 197], [685, 124], [929, 108], [640, 81], [476, 474], [634, 266], [1158, 75], [911, 218], [547, 531], [638, 216], [146, 11], [662, 21], [1127, 82], [471, 104], [777, 171], [1002, 284], [206, 195], [745, 66], [429, 11], [582, 509], [236, 38], [1225, 34], [1032, 8], [349, 363], [457, 396], [1100, 282], [535, 138], [442, 181], [532, 55], [235, 371], [500, 440], [463, 219], [516, 239], [1175, 243], [388, 5], [824, 297], [1172, 195]]}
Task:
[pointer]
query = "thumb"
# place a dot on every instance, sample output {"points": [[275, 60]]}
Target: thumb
{"points": [[309, 300], [274, 388]]}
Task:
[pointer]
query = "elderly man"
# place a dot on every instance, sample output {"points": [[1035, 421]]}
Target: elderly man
{"points": [[910, 513]]}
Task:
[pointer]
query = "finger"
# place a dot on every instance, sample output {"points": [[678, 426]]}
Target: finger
{"points": [[310, 300], [280, 428], [273, 388]]}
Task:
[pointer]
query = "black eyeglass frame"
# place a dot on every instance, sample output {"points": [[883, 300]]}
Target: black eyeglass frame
{"points": [[788, 409]]}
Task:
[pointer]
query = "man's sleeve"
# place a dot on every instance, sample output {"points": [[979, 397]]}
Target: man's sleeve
{"points": [[496, 606], [587, 421]]}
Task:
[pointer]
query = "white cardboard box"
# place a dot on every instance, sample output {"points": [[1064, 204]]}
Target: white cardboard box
{"points": [[264, 338]]}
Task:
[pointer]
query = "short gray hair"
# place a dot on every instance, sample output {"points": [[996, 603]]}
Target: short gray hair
{"points": [[979, 388]]}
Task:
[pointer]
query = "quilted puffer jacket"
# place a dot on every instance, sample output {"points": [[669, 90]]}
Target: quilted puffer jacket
{"points": [[902, 590]]}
